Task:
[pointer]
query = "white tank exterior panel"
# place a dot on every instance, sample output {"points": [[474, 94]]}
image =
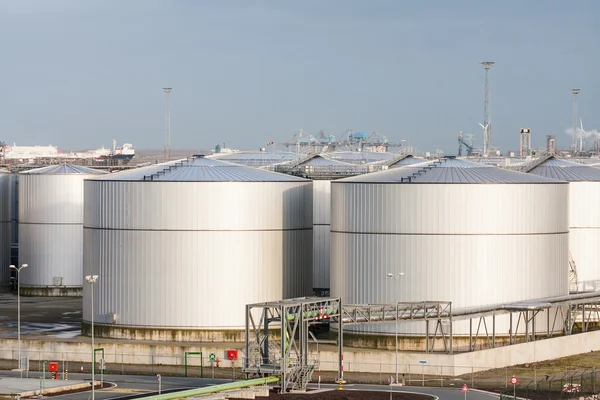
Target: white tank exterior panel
{"points": [[14, 207], [193, 279], [321, 256], [5, 233], [51, 199], [583, 200], [198, 205], [449, 208], [583, 244], [321, 226], [471, 244], [51, 228], [467, 270], [5, 226], [584, 217], [52, 251], [193, 254], [321, 202]]}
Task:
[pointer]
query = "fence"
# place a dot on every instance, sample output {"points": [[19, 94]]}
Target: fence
{"points": [[542, 382]]}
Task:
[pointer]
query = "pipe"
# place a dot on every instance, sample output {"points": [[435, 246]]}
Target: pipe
{"points": [[214, 389]]}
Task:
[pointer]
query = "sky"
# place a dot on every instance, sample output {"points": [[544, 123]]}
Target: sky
{"points": [[77, 74]]}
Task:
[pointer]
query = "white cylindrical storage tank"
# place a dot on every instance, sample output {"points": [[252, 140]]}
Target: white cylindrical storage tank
{"points": [[51, 229], [14, 208], [463, 232], [584, 219], [5, 230], [180, 248], [322, 170], [321, 226]]}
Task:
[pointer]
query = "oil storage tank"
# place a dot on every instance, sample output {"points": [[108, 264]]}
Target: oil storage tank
{"points": [[322, 170], [51, 229], [584, 219], [5, 230], [468, 233], [180, 248]]}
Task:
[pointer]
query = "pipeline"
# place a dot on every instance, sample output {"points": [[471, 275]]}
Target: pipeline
{"points": [[214, 389]]}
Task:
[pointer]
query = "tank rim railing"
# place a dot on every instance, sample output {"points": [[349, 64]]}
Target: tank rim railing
{"points": [[169, 168]]}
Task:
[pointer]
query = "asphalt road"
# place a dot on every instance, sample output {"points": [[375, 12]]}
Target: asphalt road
{"points": [[440, 393], [127, 385]]}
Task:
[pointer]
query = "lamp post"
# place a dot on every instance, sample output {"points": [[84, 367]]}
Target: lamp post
{"points": [[91, 279], [395, 277], [18, 269]]}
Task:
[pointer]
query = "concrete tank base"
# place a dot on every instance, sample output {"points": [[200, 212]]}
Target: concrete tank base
{"points": [[164, 334], [419, 343], [51, 291]]}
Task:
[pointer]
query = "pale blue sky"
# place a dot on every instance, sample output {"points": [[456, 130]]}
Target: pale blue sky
{"points": [[78, 73]]}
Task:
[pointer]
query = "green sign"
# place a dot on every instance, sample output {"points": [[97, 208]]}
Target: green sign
{"points": [[212, 357]]}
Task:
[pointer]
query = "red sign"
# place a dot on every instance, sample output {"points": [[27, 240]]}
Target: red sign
{"points": [[53, 366], [465, 388], [514, 380], [232, 354]]}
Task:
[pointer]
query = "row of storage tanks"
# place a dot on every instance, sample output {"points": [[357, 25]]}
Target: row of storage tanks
{"points": [[183, 246]]}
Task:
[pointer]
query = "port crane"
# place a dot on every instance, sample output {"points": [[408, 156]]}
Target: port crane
{"points": [[462, 142]]}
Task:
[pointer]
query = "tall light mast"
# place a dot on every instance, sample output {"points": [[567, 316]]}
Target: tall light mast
{"points": [[487, 118], [168, 124], [576, 133]]}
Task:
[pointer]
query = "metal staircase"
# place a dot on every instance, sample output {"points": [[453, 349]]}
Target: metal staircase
{"points": [[299, 376], [573, 283]]}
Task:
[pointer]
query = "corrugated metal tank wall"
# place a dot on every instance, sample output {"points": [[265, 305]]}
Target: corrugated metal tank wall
{"points": [[584, 216], [193, 254], [584, 235], [321, 226], [51, 231], [472, 244], [5, 229], [14, 207]]}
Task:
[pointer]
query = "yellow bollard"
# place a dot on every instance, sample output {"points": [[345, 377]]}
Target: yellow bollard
{"points": [[66, 374]]}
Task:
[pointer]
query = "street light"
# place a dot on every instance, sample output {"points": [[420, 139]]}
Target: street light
{"points": [[91, 279], [18, 269], [395, 277]]}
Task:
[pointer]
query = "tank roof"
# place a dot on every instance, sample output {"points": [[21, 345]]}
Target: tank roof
{"points": [[567, 171], [257, 158], [64, 169], [408, 160], [321, 160], [360, 157], [449, 170], [200, 169]]}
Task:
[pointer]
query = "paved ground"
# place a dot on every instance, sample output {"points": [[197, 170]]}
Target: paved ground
{"points": [[9, 386], [123, 385], [58, 317], [127, 385]]}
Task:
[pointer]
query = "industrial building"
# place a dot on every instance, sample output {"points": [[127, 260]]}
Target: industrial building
{"points": [[584, 218], [180, 248], [448, 230], [51, 229], [5, 229]]}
